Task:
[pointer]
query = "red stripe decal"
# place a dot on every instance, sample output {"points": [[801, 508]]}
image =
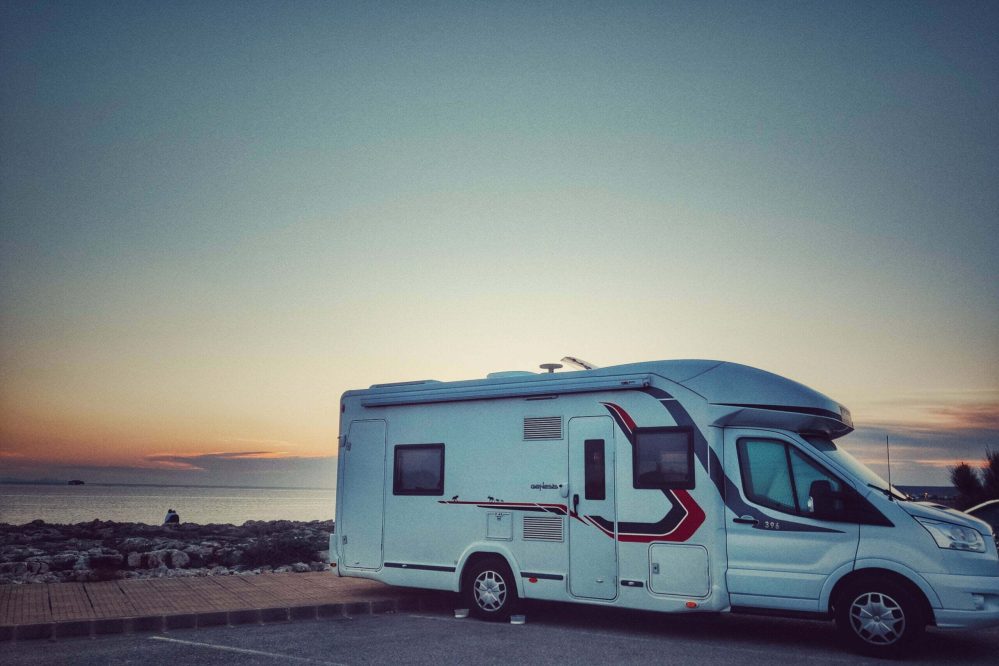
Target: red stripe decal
{"points": [[625, 416]]}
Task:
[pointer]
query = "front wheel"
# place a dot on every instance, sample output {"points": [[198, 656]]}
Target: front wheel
{"points": [[879, 618], [489, 590]]}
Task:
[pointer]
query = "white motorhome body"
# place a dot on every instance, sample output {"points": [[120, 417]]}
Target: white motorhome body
{"points": [[675, 486]]}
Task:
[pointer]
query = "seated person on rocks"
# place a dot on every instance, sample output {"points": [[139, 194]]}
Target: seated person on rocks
{"points": [[172, 518]]}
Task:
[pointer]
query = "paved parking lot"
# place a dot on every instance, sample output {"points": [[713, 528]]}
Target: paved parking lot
{"points": [[554, 634]]}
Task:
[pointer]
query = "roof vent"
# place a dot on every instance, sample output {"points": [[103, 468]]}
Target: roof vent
{"points": [[509, 373]]}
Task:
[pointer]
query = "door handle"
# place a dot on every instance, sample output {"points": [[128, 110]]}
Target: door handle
{"points": [[575, 502], [746, 520]]}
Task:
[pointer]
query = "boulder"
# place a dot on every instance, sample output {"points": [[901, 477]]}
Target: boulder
{"points": [[177, 559], [135, 544], [64, 561]]}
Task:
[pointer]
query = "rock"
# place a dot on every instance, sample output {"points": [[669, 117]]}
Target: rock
{"points": [[97, 550], [177, 559], [14, 568], [154, 559], [107, 561], [133, 544], [64, 561], [231, 557], [198, 555], [283, 569]]}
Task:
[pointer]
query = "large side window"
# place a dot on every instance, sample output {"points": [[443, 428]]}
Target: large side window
{"points": [[663, 458], [777, 476], [418, 470]]}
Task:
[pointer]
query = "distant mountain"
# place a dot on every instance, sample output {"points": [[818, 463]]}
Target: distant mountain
{"points": [[34, 482]]}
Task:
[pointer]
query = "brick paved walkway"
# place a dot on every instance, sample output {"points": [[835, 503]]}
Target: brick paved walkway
{"points": [[156, 604]]}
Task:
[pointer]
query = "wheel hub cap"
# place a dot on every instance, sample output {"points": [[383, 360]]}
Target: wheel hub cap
{"points": [[877, 618], [490, 590]]}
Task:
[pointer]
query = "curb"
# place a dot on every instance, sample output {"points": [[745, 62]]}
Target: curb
{"points": [[274, 615]]}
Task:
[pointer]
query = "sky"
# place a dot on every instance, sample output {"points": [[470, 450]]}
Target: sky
{"points": [[215, 217]]}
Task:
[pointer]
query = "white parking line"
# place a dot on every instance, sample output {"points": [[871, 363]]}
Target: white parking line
{"points": [[258, 653]]}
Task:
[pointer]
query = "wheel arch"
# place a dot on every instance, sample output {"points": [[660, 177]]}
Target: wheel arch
{"points": [[919, 588], [479, 552]]}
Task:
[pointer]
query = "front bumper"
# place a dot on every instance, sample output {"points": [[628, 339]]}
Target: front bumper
{"points": [[967, 602]]}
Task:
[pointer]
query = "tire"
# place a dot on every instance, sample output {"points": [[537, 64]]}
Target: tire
{"points": [[489, 590], [878, 617]]}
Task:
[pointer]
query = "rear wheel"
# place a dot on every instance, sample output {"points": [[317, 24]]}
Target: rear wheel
{"points": [[880, 618], [489, 590]]}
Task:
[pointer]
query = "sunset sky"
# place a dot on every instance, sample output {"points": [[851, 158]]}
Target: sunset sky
{"points": [[218, 216]]}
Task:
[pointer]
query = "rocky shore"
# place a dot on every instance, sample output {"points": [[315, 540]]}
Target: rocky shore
{"points": [[38, 552]]}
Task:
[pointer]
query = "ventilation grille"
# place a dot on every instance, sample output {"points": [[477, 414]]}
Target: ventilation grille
{"points": [[543, 427], [547, 528]]}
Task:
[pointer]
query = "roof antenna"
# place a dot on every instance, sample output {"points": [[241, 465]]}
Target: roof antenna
{"points": [[891, 493], [550, 367]]}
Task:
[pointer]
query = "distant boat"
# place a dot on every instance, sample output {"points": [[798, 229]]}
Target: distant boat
{"points": [[76, 482]]}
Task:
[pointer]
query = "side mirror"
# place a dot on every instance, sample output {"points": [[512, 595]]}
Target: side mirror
{"points": [[822, 499]]}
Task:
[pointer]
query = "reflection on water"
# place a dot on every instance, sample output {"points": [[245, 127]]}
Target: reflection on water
{"points": [[148, 504]]}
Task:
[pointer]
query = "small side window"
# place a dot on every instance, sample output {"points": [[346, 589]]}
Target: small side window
{"points": [[663, 458], [594, 470], [418, 470]]}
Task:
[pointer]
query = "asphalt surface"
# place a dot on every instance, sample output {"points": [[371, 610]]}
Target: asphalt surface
{"points": [[554, 634]]}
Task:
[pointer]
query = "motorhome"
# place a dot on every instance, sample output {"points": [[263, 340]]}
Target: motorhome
{"points": [[676, 486]]}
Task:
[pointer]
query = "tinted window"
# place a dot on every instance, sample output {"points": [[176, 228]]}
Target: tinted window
{"points": [[595, 480], [778, 476], [663, 458], [765, 475], [419, 469]]}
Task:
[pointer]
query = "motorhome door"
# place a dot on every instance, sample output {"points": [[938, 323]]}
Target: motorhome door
{"points": [[363, 495], [593, 518], [786, 532]]}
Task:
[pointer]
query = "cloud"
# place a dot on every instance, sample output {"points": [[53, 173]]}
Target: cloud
{"points": [[239, 468], [245, 440], [928, 434]]}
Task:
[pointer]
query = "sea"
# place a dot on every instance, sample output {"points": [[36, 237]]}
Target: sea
{"points": [[23, 503]]}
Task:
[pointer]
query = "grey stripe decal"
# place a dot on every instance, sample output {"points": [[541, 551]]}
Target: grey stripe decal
{"points": [[542, 576], [422, 567]]}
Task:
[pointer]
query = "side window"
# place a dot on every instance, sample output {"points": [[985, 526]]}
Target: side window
{"points": [[765, 475], [778, 476], [418, 469], [817, 490], [594, 470], [663, 458]]}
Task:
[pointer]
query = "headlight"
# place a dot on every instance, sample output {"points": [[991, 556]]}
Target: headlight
{"points": [[954, 537]]}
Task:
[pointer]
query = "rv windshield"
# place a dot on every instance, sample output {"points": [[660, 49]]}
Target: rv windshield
{"points": [[854, 466]]}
